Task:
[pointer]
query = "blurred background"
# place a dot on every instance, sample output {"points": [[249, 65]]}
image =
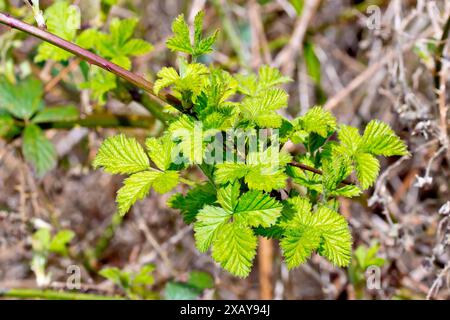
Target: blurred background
{"points": [[362, 60]]}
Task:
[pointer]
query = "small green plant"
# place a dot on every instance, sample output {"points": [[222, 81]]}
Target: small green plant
{"points": [[363, 258], [191, 289], [228, 126], [134, 284], [22, 114], [43, 244]]}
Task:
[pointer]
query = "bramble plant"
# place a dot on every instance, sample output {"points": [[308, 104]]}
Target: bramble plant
{"points": [[256, 187], [229, 126]]}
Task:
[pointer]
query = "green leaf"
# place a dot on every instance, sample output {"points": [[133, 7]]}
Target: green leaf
{"points": [[180, 291], [230, 171], [348, 191], [136, 47], [202, 45], [60, 241], [209, 220], [189, 83], [144, 276], [16, 102], [319, 121], [336, 242], [7, 125], [235, 248], [201, 280], [302, 231], [116, 276], [122, 30], [312, 63], [181, 39], [160, 151], [259, 109], [194, 200], [367, 169], [335, 170], [270, 77], [63, 20], [38, 150], [298, 245], [118, 44], [167, 77], [100, 82], [40, 240], [380, 139], [350, 139], [228, 196], [135, 188], [88, 38], [56, 114], [166, 181], [258, 209], [120, 154], [265, 178]]}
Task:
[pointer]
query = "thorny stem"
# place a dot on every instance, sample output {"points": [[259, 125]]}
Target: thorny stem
{"points": [[113, 68], [316, 171], [440, 53], [88, 56], [106, 121], [52, 295]]}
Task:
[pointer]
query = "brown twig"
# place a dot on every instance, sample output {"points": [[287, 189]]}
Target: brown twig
{"points": [[316, 171], [368, 73], [265, 260], [88, 56], [286, 58], [64, 72], [440, 53]]}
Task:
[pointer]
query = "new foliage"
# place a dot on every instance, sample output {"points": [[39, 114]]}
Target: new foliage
{"points": [[249, 194]]}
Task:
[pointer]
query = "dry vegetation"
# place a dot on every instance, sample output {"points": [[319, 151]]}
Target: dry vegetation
{"points": [[338, 56]]}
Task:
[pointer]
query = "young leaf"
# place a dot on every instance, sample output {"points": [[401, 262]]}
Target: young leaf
{"points": [[367, 169], [120, 154], [230, 171], [100, 82], [201, 280], [56, 114], [181, 39], [302, 231], [235, 248], [265, 178], [135, 188], [63, 20], [117, 46], [258, 209], [228, 196], [38, 150], [194, 200], [270, 78], [20, 105], [166, 181], [209, 220], [60, 241], [298, 245], [160, 151], [336, 242], [7, 125], [350, 138], [180, 291], [319, 121], [380, 139]]}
